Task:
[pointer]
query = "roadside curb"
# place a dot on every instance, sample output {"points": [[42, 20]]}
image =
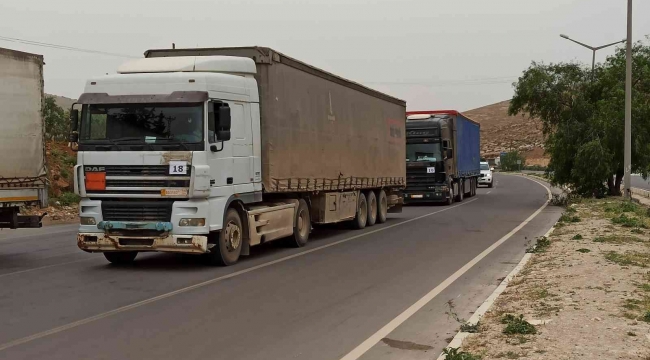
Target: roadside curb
{"points": [[457, 341]]}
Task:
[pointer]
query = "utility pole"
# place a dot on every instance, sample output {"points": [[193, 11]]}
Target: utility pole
{"points": [[627, 163]]}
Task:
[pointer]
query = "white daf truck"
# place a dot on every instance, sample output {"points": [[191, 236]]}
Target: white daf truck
{"points": [[212, 151]]}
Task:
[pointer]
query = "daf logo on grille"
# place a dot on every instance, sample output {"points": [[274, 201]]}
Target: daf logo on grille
{"points": [[94, 168]]}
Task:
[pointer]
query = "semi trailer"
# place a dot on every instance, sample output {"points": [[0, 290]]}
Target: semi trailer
{"points": [[214, 150], [442, 155], [23, 175]]}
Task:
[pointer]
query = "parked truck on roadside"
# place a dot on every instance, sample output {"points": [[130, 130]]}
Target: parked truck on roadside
{"points": [[442, 156], [23, 180], [212, 151]]}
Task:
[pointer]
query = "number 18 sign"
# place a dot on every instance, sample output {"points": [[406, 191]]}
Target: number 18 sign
{"points": [[177, 167]]}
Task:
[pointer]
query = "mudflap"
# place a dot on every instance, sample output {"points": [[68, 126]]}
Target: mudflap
{"points": [[397, 208]]}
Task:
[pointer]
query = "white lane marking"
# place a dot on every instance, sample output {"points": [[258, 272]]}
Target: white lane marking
{"points": [[357, 352], [45, 267], [209, 282], [457, 341], [488, 192]]}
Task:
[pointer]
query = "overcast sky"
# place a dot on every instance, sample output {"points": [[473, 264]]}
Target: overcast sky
{"points": [[434, 54]]}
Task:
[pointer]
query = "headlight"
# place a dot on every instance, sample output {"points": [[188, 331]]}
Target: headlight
{"points": [[192, 222], [88, 220]]}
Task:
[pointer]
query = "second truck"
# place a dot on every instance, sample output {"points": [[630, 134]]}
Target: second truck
{"points": [[443, 156], [212, 151]]}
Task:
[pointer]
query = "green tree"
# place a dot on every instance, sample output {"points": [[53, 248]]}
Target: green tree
{"points": [[56, 120], [509, 161], [583, 119]]}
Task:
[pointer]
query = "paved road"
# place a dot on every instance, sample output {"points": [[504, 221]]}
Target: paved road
{"points": [[638, 182], [318, 302]]}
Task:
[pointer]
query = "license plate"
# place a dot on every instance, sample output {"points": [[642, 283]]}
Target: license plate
{"points": [[417, 196], [173, 192]]}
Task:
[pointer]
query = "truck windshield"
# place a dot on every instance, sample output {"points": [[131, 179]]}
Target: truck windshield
{"points": [[485, 167], [142, 123], [423, 152]]}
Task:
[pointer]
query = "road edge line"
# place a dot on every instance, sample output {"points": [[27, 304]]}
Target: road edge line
{"points": [[367, 344], [457, 341]]}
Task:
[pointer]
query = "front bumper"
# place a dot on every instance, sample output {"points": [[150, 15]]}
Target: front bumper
{"points": [[482, 181], [101, 242], [425, 197]]}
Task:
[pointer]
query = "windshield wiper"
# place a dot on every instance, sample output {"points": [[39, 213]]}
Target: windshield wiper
{"points": [[133, 138], [178, 142]]}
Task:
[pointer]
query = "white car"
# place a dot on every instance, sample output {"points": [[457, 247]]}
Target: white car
{"points": [[486, 177]]}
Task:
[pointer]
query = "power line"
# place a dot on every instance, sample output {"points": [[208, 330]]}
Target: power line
{"points": [[63, 47], [467, 82]]}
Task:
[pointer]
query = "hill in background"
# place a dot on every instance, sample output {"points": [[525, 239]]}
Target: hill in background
{"points": [[62, 101], [501, 132]]}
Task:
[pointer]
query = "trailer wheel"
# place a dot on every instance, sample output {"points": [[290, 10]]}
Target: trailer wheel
{"points": [[229, 242], [372, 208], [474, 186], [302, 225], [382, 207], [361, 219], [121, 257], [461, 190]]}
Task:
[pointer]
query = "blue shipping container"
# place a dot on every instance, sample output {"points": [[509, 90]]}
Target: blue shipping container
{"points": [[468, 146]]}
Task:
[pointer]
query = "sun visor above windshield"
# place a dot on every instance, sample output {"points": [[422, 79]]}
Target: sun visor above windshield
{"points": [[175, 97]]}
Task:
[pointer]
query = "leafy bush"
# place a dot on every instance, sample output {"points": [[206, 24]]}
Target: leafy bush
{"points": [[517, 325], [455, 354], [67, 199]]}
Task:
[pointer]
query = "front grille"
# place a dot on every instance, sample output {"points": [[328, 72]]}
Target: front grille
{"points": [[419, 179], [136, 183], [150, 211], [140, 170]]}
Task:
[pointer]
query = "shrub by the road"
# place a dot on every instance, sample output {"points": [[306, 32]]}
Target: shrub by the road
{"points": [[517, 325]]}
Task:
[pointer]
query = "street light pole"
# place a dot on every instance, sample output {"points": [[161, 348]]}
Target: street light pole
{"points": [[627, 162], [593, 50]]}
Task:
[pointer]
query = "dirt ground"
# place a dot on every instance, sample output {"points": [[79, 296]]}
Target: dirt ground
{"points": [[586, 291]]}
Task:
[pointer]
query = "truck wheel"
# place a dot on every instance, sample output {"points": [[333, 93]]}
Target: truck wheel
{"points": [[302, 225], [382, 207], [461, 191], [450, 200], [121, 257], [490, 184], [474, 186], [229, 242], [372, 208], [361, 219]]}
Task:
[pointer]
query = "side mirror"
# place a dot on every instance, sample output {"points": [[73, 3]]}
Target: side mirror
{"points": [[74, 120], [224, 119], [223, 135], [74, 137]]}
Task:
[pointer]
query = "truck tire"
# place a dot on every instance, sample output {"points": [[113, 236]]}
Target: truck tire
{"points": [[474, 186], [121, 257], [229, 241], [302, 226], [461, 191], [361, 218], [450, 200], [371, 199], [382, 207], [491, 184]]}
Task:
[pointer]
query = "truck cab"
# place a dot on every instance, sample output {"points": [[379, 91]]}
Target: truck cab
{"points": [[163, 146]]}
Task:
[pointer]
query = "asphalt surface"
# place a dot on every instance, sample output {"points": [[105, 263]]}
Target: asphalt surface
{"points": [[638, 182], [318, 302]]}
